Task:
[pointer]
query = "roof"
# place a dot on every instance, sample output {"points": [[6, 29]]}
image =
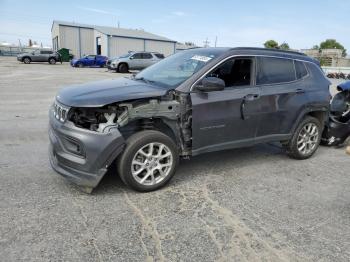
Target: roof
{"points": [[273, 52], [115, 31]]}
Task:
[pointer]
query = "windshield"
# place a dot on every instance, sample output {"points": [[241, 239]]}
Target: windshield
{"points": [[175, 69], [124, 56]]}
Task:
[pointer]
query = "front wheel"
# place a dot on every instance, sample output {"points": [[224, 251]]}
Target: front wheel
{"points": [[27, 60], [306, 139], [52, 61], [123, 68], [149, 161]]}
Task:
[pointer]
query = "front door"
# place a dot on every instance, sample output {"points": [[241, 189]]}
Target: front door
{"points": [[228, 118], [136, 61]]}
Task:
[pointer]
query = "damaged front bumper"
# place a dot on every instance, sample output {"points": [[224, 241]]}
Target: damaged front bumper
{"points": [[82, 156]]}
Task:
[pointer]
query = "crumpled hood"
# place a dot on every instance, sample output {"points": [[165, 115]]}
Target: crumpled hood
{"points": [[100, 93]]}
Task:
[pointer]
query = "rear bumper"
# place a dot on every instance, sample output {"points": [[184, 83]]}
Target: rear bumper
{"points": [[82, 156]]}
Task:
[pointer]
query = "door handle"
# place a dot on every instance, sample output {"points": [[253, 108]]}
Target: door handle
{"points": [[300, 91], [251, 97]]}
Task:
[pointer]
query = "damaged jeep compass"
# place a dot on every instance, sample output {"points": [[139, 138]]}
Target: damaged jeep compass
{"points": [[195, 101]]}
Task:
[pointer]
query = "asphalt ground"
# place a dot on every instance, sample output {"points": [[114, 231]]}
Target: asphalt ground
{"points": [[252, 204]]}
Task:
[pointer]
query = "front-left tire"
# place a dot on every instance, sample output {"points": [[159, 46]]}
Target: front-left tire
{"points": [[52, 61], [149, 161]]}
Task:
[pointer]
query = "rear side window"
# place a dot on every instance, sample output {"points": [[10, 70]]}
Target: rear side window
{"points": [[275, 70], [300, 69], [160, 56]]}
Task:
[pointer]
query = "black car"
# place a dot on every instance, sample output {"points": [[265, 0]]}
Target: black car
{"points": [[196, 101]]}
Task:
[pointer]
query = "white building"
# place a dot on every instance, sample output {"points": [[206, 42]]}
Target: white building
{"points": [[84, 39]]}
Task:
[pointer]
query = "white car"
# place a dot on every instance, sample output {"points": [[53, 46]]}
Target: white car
{"points": [[134, 61]]}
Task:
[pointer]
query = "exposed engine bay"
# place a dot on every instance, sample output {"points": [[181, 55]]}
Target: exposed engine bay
{"points": [[170, 112], [337, 129]]}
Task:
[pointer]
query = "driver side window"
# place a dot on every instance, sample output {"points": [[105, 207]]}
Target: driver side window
{"points": [[234, 72]]}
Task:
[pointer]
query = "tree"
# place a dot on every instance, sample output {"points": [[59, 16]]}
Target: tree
{"points": [[316, 47], [271, 44], [284, 46], [333, 44]]}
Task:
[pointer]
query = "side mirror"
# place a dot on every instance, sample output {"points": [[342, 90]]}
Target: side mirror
{"points": [[211, 84], [131, 58], [33, 53]]}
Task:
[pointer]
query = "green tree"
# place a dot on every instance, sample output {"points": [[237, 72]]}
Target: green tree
{"points": [[271, 44], [333, 44], [284, 46], [315, 47]]}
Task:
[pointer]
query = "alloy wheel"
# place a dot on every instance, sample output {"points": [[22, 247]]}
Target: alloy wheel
{"points": [[308, 139], [152, 164]]}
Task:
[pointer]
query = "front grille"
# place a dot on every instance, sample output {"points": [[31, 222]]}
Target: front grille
{"points": [[60, 112]]}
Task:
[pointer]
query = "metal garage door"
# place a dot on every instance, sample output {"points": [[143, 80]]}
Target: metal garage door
{"points": [[69, 38], [87, 41], [166, 48], [121, 45]]}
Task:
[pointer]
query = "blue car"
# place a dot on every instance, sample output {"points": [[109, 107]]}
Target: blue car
{"points": [[90, 60]]}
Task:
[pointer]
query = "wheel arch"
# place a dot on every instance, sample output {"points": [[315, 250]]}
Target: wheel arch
{"points": [[24, 57], [321, 114]]}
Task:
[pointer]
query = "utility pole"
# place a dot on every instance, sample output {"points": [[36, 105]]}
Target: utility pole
{"points": [[216, 40], [206, 42]]}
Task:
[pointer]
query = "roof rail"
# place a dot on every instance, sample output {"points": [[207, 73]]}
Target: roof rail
{"points": [[271, 49]]}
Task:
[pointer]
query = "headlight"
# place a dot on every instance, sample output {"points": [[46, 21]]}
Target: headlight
{"points": [[60, 111]]}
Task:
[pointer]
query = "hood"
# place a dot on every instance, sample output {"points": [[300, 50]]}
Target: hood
{"points": [[23, 54], [345, 86], [101, 93]]}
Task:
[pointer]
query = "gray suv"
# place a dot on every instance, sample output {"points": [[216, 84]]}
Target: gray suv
{"points": [[39, 56], [193, 102], [134, 61]]}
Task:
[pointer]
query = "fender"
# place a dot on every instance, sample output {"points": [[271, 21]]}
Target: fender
{"points": [[311, 109]]}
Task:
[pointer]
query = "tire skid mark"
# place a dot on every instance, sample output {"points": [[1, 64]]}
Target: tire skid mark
{"points": [[147, 224]]}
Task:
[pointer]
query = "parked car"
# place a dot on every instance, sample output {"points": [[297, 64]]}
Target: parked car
{"points": [[134, 61], [39, 56], [90, 60], [193, 102]]}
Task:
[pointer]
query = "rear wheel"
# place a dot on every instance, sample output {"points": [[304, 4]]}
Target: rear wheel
{"points": [[27, 60], [149, 161], [123, 68], [306, 139], [52, 61]]}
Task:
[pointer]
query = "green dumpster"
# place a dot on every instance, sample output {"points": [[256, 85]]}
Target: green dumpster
{"points": [[64, 52]]}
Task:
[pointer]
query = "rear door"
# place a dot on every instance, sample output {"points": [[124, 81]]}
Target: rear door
{"points": [[282, 95], [148, 59], [228, 118]]}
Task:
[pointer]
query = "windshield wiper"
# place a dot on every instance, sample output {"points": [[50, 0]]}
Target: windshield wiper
{"points": [[144, 80]]}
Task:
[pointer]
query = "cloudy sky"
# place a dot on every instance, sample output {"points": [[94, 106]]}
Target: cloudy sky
{"points": [[302, 24]]}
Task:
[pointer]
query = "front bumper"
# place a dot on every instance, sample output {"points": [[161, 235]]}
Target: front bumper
{"points": [[82, 156]]}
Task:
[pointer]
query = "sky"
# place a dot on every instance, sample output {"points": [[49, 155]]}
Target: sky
{"points": [[301, 24]]}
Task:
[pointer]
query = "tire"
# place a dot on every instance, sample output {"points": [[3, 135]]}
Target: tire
{"points": [[123, 68], [154, 169], [80, 65], [307, 134], [52, 61], [27, 60]]}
